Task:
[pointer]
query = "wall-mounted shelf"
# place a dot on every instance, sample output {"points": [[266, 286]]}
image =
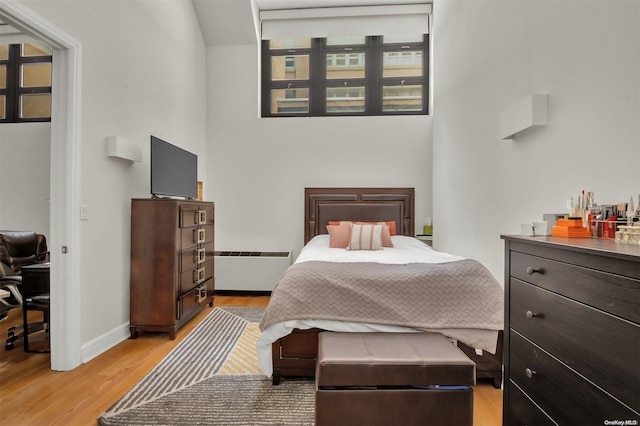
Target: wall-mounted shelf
{"points": [[524, 114]]}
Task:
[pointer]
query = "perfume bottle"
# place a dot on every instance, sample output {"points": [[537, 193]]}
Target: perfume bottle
{"points": [[631, 212]]}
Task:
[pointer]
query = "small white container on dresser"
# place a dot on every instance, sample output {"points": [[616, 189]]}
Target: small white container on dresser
{"points": [[572, 331]]}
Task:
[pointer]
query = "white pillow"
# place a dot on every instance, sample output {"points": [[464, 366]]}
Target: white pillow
{"points": [[365, 237]]}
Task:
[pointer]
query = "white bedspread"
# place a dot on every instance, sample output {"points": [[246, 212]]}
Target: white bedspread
{"points": [[406, 250]]}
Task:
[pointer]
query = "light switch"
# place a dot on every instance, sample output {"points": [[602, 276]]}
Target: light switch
{"points": [[84, 212]]}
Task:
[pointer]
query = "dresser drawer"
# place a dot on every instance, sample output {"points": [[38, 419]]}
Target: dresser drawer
{"points": [[190, 257], [191, 237], [599, 346], [523, 411], [192, 277], [189, 302], [564, 395], [195, 215], [612, 293]]}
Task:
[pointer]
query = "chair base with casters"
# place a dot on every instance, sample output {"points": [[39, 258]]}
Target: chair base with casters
{"points": [[16, 333], [40, 303]]}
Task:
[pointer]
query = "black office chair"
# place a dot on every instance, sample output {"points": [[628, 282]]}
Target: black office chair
{"points": [[40, 302], [18, 249], [4, 294]]}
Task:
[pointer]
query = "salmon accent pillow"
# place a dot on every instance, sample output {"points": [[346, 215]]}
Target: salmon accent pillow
{"points": [[391, 224], [339, 235], [365, 237]]}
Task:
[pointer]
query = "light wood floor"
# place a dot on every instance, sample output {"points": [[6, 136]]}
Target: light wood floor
{"points": [[32, 394]]}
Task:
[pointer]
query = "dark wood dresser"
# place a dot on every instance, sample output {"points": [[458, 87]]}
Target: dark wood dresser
{"points": [[172, 246], [572, 331]]}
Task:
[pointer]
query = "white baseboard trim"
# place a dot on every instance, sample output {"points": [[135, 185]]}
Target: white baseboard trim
{"points": [[103, 343]]}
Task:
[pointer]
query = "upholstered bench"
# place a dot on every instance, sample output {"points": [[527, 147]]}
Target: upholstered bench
{"points": [[392, 379]]}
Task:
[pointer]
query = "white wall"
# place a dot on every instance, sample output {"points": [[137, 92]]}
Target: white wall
{"points": [[258, 168], [142, 74], [143, 69], [490, 54], [24, 177]]}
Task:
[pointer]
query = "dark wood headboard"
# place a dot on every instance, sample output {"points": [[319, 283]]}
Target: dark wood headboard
{"points": [[322, 205]]}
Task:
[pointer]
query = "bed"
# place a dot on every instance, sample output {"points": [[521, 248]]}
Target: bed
{"points": [[376, 290]]}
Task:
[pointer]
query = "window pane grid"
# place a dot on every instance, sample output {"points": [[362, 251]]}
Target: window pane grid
{"points": [[35, 75], [345, 65], [35, 106], [402, 98], [35, 49], [402, 64], [347, 76], [346, 41], [3, 76], [290, 101], [25, 82], [290, 43], [407, 39], [347, 99], [290, 67]]}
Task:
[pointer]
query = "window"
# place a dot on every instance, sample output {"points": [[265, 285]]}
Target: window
{"points": [[335, 76], [25, 83]]}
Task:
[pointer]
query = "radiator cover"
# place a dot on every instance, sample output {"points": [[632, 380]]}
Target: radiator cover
{"points": [[250, 270]]}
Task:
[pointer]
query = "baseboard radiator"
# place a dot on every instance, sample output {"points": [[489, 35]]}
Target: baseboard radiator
{"points": [[249, 270]]}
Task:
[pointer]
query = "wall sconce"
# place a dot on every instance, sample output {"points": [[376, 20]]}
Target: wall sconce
{"points": [[524, 114], [119, 147]]}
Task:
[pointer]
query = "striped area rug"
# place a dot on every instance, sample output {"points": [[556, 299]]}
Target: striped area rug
{"points": [[226, 388]]}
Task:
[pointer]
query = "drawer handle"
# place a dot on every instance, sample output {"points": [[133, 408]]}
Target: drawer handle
{"points": [[199, 255], [531, 270], [198, 275], [201, 217], [199, 236], [201, 293], [530, 373], [532, 315]]}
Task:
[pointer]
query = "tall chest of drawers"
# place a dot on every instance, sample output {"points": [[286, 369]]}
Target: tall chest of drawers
{"points": [[572, 332], [172, 251]]}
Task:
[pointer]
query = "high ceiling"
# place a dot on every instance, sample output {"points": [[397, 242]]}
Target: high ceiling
{"points": [[229, 22]]}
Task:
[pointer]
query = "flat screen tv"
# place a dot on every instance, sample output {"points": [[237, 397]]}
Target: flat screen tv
{"points": [[174, 171]]}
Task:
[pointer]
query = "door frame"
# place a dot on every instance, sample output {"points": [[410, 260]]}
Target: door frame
{"points": [[64, 246]]}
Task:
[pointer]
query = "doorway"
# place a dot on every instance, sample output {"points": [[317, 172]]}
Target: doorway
{"points": [[64, 243]]}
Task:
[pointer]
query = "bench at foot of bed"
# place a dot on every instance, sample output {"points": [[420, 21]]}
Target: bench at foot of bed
{"points": [[392, 379]]}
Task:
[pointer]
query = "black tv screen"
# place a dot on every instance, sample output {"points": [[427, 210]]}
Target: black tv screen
{"points": [[174, 171]]}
